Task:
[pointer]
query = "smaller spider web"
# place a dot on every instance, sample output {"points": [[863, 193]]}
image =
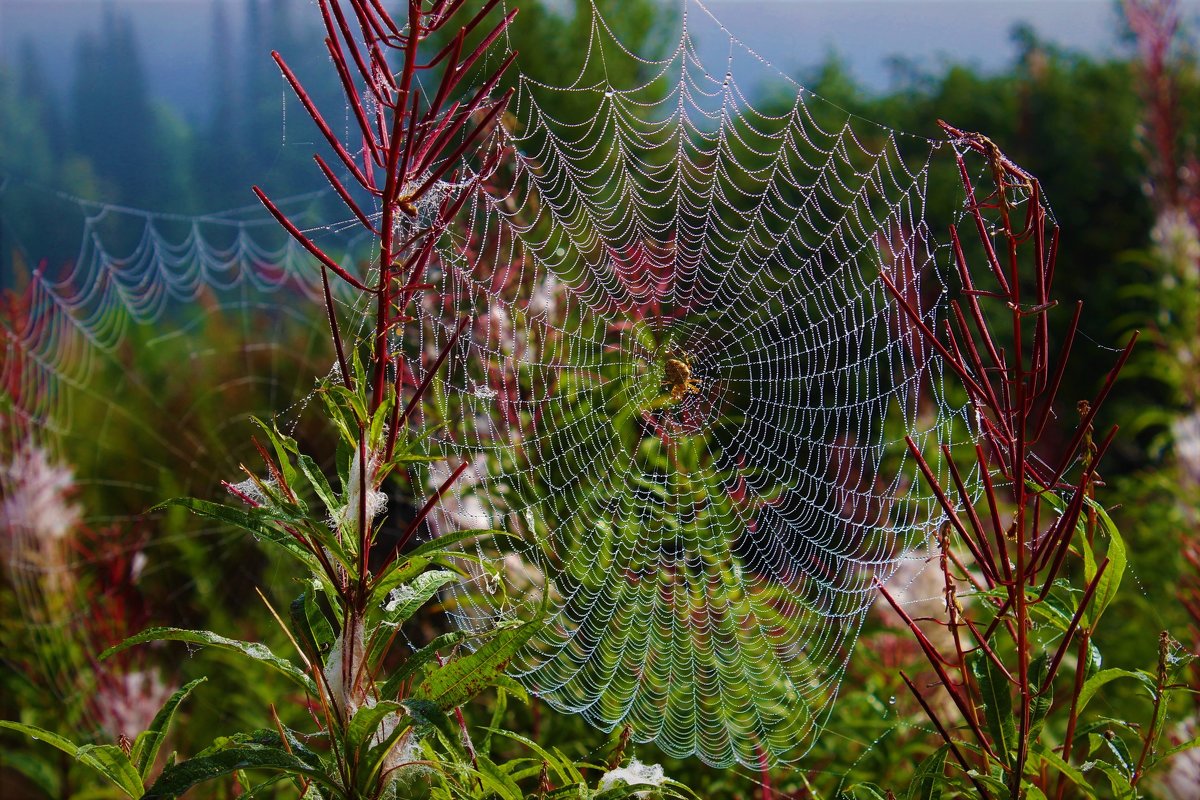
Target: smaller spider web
{"points": [[687, 388], [128, 377]]}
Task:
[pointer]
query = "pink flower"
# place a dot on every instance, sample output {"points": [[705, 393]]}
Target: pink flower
{"points": [[125, 705]]}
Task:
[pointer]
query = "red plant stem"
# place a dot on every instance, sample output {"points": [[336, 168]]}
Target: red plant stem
{"points": [[1069, 452], [948, 507], [1056, 381], [939, 666], [322, 125], [308, 244], [412, 404], [972, 296], [1085, 638], [968, 381], [989, 561], [344, 194], [1020, 489], [976, 361], [941, 729], [425, 511], [370, 145], [994, 508], [764, 773], [1069, 634], [393, 184], [1065, 535], [981, 226], [351, 44], [449, 77]]}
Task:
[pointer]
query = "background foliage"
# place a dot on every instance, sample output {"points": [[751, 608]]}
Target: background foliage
{"points": [[1084, 125]]}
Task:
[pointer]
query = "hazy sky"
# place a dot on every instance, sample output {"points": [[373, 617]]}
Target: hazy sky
{"points": [[792, 34]]}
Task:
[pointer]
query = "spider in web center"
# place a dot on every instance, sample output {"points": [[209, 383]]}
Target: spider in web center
{"points": [[677, 377]]}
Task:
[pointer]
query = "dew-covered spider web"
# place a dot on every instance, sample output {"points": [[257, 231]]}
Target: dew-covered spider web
{"points": [[128, 375], [687, 388], [684, 390]]}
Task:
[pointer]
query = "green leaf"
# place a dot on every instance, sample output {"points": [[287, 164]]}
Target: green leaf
{"points": [[111, 762], [419, 659], [1110, 581], [428, 718], [310, 622], [495, 779], [465, 677], [319, 482], [553, 761], [372, 764], [279, 443], [42, 735], [255, 650], [1190, 744], [1048, 756], [1040, 704], [365, 722], [997, 699], [177, 779], [401, 602], [499, 709], [1104, 676], [258, 522], [400, 571], [437, 547], [1117, 779], [866, 791], [146, 745], [37, 771], [929, 776], [1054, 610]]}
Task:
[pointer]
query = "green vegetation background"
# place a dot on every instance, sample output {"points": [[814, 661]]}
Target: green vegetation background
{"points": [[1073, 120]]}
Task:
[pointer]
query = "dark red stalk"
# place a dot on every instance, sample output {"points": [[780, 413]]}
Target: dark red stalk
{"points": [[1073, 447], [954, 364], [1013, 397], [1069, 634], [941, 729], [994, 508], [343, 367], [344, 194], [308, 244], [412, 404], [939, 665], [1056, 381], [949, 509], [333, 29], [425, 511], [322, 125], [990, 572], [360, 115]]}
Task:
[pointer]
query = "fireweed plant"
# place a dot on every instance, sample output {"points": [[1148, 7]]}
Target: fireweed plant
{"points": [[1038, 557], [383, 725]]}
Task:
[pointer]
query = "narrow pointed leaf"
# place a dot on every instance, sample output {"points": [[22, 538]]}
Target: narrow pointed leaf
{"points": [[177, 779], [463, 678], [997, 699], [255, 650], [146, 745]]}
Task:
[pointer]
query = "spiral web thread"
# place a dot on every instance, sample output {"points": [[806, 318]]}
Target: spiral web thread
{"points": [[687, 389]]}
